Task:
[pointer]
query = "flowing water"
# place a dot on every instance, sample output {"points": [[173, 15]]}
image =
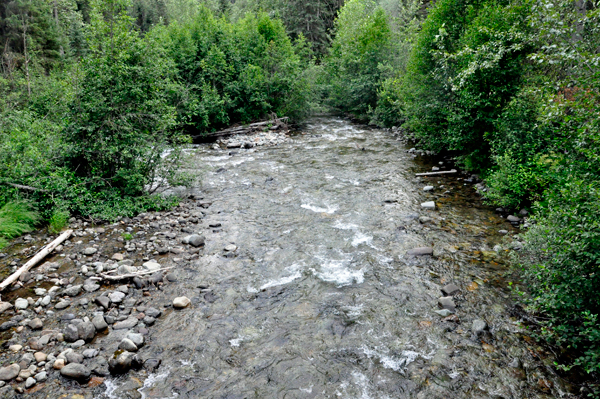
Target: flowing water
{"points": [[321, 300]]}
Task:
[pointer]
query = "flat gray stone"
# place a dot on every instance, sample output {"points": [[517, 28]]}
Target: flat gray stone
{"points": [[478, 326], [99, 323], [73, 290], [62, 305], [90, 251], [137, 339], [86, 331], [128, 345], [450, 289], [21, 303], [126, 324], [152, 266], [116, 296], [70, 333], [75, 371], [428, 205], [446, 302], [513, 219], [9, 372], [421, 251], [196, 240]]}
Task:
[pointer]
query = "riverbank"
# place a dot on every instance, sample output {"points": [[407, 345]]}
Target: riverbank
{"points": [[307, 284]]}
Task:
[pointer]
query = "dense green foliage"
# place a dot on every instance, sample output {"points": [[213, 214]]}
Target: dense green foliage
{"points": [[98, 97], [511, 88], [16, 218]]}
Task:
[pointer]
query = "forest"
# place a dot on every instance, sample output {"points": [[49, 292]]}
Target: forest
{"points": [[94, 92]]}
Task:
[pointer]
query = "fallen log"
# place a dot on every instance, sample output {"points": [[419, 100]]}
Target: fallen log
{"points": [[35, 260], [131, 275], [244, 129], [443, 172], [27, 188]]}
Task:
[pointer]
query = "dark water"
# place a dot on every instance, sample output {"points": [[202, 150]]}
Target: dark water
{"points": [[321, 300]]}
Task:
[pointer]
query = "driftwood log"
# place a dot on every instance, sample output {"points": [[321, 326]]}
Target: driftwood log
{"points": [[443, 172], [36, 259], [131, 275], [245, 129]]}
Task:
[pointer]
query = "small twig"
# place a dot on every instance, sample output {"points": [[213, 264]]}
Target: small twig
{"points": [[443, 172]]}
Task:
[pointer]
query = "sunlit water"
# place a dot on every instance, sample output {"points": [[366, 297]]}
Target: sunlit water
{"points": [[321, 300]]}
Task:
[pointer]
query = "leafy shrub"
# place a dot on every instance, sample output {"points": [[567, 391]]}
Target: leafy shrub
{"points": [[561, 262]]}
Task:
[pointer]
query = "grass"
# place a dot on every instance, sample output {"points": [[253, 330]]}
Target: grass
{"points": [[58, 221], [16, 218]]}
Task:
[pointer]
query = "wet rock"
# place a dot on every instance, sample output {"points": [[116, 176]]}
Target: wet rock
{"points": [[149, 320], [9, 372], [478, 327], [73, 290], [428, 188], [513, 219], [99, 323], [171, 277], [156, 278], [503, 232], [41, 376], [152, 364], [126, 324], [116, 296], [421, 251], [196, 240], [153, 312], [446, 302], [443, 312], [151, 266], [450, 289], [7, 325], [36, 324], [103, 301], [181, 302], [90, 353], [59, 364], [230, 248], [86, 331], [62, 305], [90, 251], [30, 382], [74, 357], [128, 345], [70, 333], [428, 205], [75, 371], [137, 339], [40, 357], [124, 362], [99, 366], [4, 306], [91, 287], [21, 303], [425, 219]]}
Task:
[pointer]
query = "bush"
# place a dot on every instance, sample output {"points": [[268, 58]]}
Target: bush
{"points": [[561, 262]]}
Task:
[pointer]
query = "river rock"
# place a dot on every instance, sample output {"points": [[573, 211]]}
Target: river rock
{"points": [[90, 251], [41, 376], [443, 312], [21, 304], [4, 306], [149, 320], [117, 257], [124, 362], [73, 290], [125, 269], [137, 339], [40, 357], [30, 382], [152, 364], [128, 323], [102, 301], [181, 302], [86, 331], [513, 219], [70, 333], [128, 345], [9, 372], [196, 240], [99, 323], [116, 296], [74, 357], [428, 188], [75, 371], [36, 324], [428, 205], [446, 302], [478, 327], [90, 353], [151, 266], [450, 289], [91, 287], [62, 305], [421, 251], [46, 300], [230, 248], [15, 348], [153, 312], [59, 364]]}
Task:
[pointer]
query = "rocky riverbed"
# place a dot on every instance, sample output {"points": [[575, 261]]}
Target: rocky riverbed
{"points": [[313, 268]]}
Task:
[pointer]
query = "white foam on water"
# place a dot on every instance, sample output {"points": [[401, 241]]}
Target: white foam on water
{"points": [[328, 177], [345, 226], [396, 364], [361, 238], [236, 341], [287, 190], [307, 390], [281, 281], [152, 379], [251, 290], [336, 271], [329, 209]]}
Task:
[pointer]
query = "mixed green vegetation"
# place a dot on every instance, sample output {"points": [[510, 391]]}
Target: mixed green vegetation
{"points": [[94, 93]]}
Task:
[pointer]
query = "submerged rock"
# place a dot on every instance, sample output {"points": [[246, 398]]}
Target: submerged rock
{"points": [[75, 371], [421, 251], [123, 362]]}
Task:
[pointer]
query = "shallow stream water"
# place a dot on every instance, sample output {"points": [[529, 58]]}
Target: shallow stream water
{"points": [[321, 299]]}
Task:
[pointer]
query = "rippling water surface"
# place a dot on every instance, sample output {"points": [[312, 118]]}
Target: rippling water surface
{"points": [[321, 300]]}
